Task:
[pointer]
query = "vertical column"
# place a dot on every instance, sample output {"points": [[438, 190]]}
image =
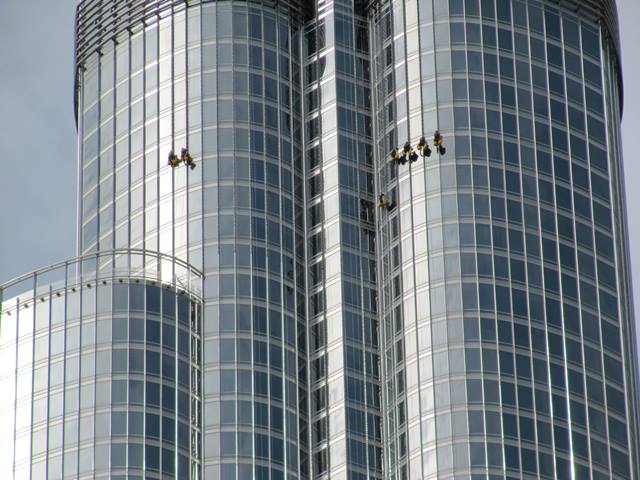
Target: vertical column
{"points": [[345, 408]]}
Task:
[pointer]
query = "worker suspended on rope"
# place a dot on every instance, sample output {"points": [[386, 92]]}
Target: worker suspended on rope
{"points": [[187, 159], [174, 160], [384, 202], [406, 153], [438, 140], [423, 147], [394, 156]]}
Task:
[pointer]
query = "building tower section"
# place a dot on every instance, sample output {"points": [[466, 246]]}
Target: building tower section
{"points": [[100, 370], [221, 79], [345, 407], [506, 325]]}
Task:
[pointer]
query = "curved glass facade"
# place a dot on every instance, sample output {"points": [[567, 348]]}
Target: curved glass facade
{"points": [[99, 369], [505, 309], [223, 79], [478, 326]]}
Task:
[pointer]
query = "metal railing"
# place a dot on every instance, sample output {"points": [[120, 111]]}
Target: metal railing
{"points": [[106, 265]]}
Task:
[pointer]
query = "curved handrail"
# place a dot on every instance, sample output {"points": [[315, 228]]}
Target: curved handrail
{"points": [[101, 265], [100, 253]]}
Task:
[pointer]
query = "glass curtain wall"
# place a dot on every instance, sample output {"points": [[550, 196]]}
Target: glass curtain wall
{"points": [[500, 274], [223, 80], [506, 322], [100, 375], [343, 333]]}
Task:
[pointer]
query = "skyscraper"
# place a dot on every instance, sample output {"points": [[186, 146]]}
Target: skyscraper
{"points": [[322, 307]]}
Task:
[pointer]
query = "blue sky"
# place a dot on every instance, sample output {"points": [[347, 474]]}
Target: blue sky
{"points": [[38, 138]]}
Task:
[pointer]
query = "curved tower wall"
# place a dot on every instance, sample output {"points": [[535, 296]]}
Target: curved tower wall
{"points": [[223, 79], [99, 372], [505, 302]]}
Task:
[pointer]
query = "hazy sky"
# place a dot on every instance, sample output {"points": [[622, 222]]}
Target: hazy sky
{"points": [[38, 137]]}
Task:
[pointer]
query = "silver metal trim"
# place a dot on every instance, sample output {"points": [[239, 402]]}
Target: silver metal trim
{"points": [[77, 270]]}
